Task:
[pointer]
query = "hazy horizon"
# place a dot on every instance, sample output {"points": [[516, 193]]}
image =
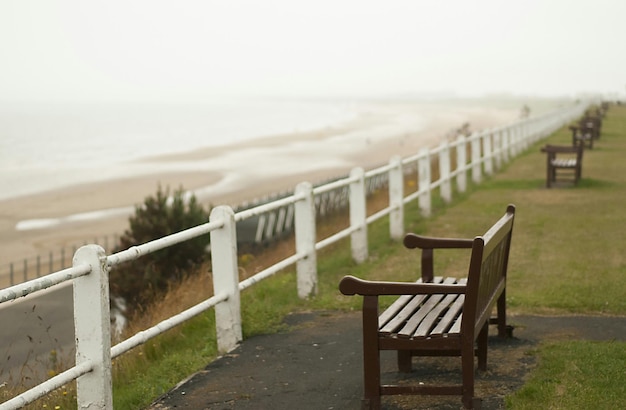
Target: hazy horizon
{"points": [[71, 50]]}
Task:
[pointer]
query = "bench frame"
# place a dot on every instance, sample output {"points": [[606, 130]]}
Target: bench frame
{"points": [[582, 136], [587, 130], [563, 159], [484, 288]]}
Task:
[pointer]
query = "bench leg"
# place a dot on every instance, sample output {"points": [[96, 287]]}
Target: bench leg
{"points": [[503, 330], [550, 175], [482, 347], [371, 387], [370, 404], [467, 366], [477, 403], [371, 354]]}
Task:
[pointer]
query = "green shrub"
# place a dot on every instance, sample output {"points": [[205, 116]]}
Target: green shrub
{"points": [[161, 215]]}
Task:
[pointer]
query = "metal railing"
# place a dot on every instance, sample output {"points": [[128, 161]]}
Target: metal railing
{"points": [[33, 267], [488, 150]]}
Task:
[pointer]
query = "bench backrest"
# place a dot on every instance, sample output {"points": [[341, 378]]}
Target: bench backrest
{"points": [[553, 150], [486, 279]]}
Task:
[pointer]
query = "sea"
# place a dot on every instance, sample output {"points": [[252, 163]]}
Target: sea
{"points": [[47, 146], [44, 146]]}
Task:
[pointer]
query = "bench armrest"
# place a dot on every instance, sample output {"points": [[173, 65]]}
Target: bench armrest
{"points": [[351, 285], [560, 149], [412, 241], [428, 244]]}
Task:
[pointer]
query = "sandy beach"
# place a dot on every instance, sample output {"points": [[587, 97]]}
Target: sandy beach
{"points": [[230, 174]]}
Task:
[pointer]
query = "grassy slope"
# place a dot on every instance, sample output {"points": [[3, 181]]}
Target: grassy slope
{"points": [[567, 253], [578, 265]]}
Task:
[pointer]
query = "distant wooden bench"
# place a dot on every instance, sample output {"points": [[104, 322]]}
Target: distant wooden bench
{"points": [[587, 130], [563, 161], [437, 316], [582, 135]]}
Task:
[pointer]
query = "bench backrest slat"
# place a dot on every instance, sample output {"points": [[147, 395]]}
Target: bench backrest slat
{"points": [[487, 273]]}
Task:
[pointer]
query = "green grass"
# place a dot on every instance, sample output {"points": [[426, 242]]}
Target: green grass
{"points": [[575, 375], [161, 363]]}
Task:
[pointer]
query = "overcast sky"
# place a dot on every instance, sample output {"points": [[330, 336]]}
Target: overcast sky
{"points": [[194, 50]]}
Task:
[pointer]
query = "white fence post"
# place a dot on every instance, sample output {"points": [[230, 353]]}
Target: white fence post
{"points": [[527, 135], [461, 163], [92, 327], [445, 189], [305, 241], [506, 144], [476, 159], [488, 152], [358, 215], [522, 137], [532, 131], [514, 139], [396, 198], [226, 279], [497, 148], [424, 178]]}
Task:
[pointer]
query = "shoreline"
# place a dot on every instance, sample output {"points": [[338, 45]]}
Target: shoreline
{"points": [[228, 175]]}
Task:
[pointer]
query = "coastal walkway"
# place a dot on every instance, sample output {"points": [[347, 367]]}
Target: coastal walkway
{"points": [[317, 363]]}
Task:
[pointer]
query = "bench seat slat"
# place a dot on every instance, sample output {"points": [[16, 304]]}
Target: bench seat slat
{"points": [[456, 327], [403, 314], [416, 318], [564, 163], [398, 321], [423, 311], [425, 328], [448, 319], [394, 308]]}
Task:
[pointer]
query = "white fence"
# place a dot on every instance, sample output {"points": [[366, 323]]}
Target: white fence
{"points": [[488, 150]]}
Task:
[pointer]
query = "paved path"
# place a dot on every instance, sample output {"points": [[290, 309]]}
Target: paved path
{"points": [[318, 365], [30, 329]]}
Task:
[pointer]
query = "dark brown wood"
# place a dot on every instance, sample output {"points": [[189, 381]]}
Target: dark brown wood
{"points": [[563, 162], [438, 316], [591, 124], [427, 245], [588, 129], [582, 136]]}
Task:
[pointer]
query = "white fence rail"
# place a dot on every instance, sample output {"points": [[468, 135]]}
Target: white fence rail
{"points": [[488, 150]]}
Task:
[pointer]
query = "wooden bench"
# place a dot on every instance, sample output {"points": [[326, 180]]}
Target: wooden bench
{"points": [[582, 135], [587, 130], [436, 316], [563, 160]]}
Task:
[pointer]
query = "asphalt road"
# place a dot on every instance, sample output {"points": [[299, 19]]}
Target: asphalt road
{"points": [[33, 329]]}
